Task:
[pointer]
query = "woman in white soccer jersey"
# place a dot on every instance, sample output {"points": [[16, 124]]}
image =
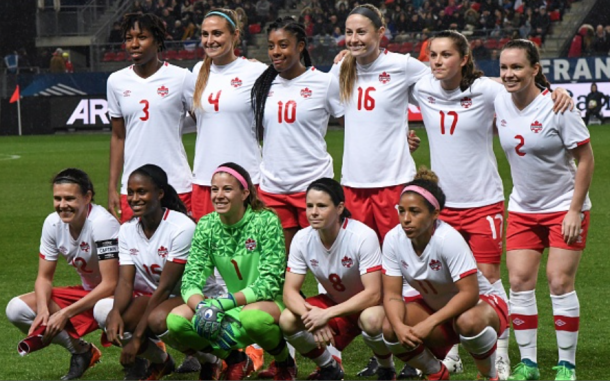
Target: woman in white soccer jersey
{"points": [[344, 256], [292, 105], [548, 206], [222, 107], [457, 304], [374, 87], [147, 102], [153, 250], [85, 234]]}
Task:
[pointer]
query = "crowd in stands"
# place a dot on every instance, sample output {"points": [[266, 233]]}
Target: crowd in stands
{"points": [[590, 41]]}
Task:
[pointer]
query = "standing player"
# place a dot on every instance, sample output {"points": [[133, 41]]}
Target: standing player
{"points": [[244, 241], [374, 86], [153, 251], [344, 256], [85, 234], [457, 304], [222, 107], [548, 207], [292, 105], [147, 102]]}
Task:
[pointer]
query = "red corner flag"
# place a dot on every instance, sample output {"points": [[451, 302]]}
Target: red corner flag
{"points": [[15, 96]]}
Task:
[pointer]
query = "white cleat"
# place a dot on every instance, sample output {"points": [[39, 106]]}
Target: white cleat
{"points": [[503, 367], [454, 364]]}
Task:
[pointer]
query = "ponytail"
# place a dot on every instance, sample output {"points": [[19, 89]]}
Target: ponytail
{"points": [[170, 199]]}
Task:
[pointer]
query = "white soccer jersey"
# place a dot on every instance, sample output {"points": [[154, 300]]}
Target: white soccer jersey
{"points": [[355, 253], [459, 125], [170, 242], [445, 260], [97, 241], [153, 109], [225, 120], [376, 152], [537, 144], [295, 122]]}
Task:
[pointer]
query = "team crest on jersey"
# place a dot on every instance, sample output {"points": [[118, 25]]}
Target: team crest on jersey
{"points": [[127, 93], [84, 246], [435, 265], [250, 244], [503, 123], [466, 102], [162, 251], [63, 250], [536, 127], [404, 264], [133, 251], [163, 91], [306, 93], [347, 262], [384, 78], [314, 263], [236, 82], [431, 100]]}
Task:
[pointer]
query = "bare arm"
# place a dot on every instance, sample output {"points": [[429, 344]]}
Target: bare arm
{"points": [[292, 296], [122, 298], [571, 224], [42, 290], [117, 150]]}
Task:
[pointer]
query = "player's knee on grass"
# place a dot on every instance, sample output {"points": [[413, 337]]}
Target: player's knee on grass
{"points": [[290, 323], [101, 310], [371, 320]]}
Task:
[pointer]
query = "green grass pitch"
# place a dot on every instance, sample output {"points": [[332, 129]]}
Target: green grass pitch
{"points": [[28, 163]]}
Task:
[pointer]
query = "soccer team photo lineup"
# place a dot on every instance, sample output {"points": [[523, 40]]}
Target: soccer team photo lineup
{"points": [[388, 190]]}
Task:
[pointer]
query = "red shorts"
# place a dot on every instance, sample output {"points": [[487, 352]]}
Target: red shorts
{"points": [[537, 231], [452, 337], [201, 203], [375, 207], [345, 327], [81, 324], [481, 227], [127, 213], [289, 207]]}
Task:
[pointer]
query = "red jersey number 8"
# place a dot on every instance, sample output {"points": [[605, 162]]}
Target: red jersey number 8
{"points": [[335, 280]]}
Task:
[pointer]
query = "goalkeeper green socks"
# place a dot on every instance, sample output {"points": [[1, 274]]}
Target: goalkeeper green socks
{"points": [[260, 326]]}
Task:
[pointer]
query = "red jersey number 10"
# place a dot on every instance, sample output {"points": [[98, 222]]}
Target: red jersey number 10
{"points": [[286, 114]]}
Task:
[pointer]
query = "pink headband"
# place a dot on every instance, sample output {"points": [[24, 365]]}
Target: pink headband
{"points": [[233, 173], [422, 192]]}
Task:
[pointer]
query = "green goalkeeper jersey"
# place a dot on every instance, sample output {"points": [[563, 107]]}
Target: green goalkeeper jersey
{"points": [[250, 255]]}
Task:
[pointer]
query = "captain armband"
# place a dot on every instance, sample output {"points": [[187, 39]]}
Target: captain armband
{"points": [[108, 249]]}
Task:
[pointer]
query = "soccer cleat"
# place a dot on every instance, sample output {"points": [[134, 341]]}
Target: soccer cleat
{"points": [[238, 370], [502, 367], [525, 370], [257, 356], [189, 365], [454, 364], [211, 370], [158, 371], [315, 375], [442, 374], [386, 373], [565, 371], [370, 369], [409, 373], [269, 373], [79, 363], [137, 371], [286, 370]]}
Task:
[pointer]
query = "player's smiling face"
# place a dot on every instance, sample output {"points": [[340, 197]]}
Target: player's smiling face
{"points": [[362, 39], [517, 73], [445, 61], [321, 211], [228, 197], [141, 45], [415, 217], [285, 53], [218, 39], [70, 203], [143, 196]]}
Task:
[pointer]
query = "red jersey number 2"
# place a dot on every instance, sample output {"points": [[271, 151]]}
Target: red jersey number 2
{"points": [[145, 110]]}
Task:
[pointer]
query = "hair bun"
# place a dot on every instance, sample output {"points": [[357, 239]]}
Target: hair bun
{"points": [[423, 173]]}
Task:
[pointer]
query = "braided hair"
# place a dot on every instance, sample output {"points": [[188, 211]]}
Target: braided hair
{"points": [[147, 21], [261, 87], [158, 177]]}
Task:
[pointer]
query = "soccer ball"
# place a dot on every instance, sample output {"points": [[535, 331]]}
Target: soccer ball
{"points": [[592, 103]]}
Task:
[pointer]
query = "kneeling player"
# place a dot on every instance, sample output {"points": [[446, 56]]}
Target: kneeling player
{"points": [[243, 239], [153, 248], [86, 235], [344, 256], [457, 304]]}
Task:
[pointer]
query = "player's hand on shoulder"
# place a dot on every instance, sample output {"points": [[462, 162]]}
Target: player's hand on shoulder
{"points": [[562, 100], [340, 56]]}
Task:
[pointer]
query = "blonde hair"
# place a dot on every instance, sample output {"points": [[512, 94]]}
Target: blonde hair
{"points": [[348, 73], [204, 72]]}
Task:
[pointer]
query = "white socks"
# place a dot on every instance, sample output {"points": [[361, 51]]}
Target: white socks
{"points": [[566, 313], [524, 316], [482, 347], [305, 343], [380, 350]]}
